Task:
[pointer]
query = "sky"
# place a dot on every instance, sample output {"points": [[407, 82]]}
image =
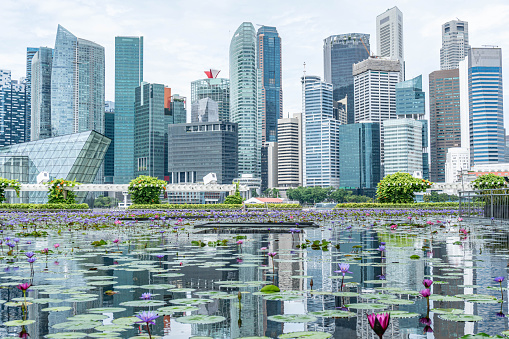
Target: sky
{"points": [[184, 38]]}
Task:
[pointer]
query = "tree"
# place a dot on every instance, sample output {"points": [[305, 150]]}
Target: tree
{"points": [[235, 199], [488, 181], [400, 188], [146, 190]]}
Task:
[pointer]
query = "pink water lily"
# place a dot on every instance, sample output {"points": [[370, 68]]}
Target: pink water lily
{"points": [[379, 322]]}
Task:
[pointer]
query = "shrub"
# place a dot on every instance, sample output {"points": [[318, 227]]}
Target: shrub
{"points": [[6, 183], [488, 181], [417, 205], [60, 206], [234, 199], [400, 188], [213, 207], [146, 190], [58, 194]]}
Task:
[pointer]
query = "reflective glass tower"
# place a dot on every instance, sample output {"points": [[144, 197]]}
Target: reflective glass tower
{"points": [[12, 110], [269, 62], [217, 89], [455, 45], [41, 94], [128, 76], [244, 87], [31, 51], [77, 85], [340, 52]]}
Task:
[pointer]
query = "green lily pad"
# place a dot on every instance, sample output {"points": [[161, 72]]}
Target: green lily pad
{"points": [[112, 328], [447, 310], [125, 321], [57, 309], [283, 297], [403, 314], [77, 325], [191, 301], [73, 335], [88, 317], [292, 318], [19, 322], [345, 294], [200, 319], [305, 335], [106, 310], [438, 297], [108, 335], [366, 306], [460, 317], [396, 301], [333, 314], [143, 303]]}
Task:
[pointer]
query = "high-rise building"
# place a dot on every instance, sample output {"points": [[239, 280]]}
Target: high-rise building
{"points": [[340, 53], [217, 89], [269, 63], [411, 104], [389, 36], [40, 71], [320, 131], [455, 45], [204, 110], [359, 157], [109, 131], [457, 161], [77, 85], [290, 151], [128, 76], [178, 110], [403, 146], [244, 90], [12, 110], [445, 123], [31, 51], [487, 134], [269, 153]]}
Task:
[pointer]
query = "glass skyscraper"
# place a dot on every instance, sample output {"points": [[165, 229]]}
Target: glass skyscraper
{"points": [[41, 94], [244, 87], [109, 131], [12, 110], [217, 89], [31, 51], [455, 45], [128, 76], [269, 62], [340, 52], [77, 85]]}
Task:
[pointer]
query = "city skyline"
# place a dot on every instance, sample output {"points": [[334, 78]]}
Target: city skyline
{"points": [[178, 59]]}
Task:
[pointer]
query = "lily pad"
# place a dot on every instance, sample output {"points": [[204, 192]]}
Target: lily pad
{"points": [[106, 310], [460, 317], [143, 303], [292, 318], [73, 335], [200, 319], [333, 314], [305, 335], [19, 322], [57, 309], [403, 314], [191, 301], [366, 306]]}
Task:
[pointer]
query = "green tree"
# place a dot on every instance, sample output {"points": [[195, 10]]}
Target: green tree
{"points": [[58, 194], [7, 183], [488, 181], [146, 190], [234, 199], [400, 188]]}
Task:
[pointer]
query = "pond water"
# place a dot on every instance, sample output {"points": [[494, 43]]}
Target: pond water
{"points": [[85, 289]]}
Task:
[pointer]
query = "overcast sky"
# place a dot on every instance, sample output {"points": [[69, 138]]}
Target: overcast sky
{"points": [[184, 38]]}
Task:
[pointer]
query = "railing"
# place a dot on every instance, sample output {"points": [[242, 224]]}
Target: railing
{"points": [[489, 203]]}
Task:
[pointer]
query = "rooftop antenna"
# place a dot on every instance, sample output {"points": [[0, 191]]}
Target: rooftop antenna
{"points": [[304, 69]]}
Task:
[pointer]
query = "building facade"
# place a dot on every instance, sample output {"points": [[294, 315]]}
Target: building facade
{"points": [[290, 151], [12, 110], [197, 149], [320, 131], [217, 89], [340, 53], [359, 157], [244, 90], [455, 45], [445, 119], [31, 51], [389, 36], [486, 111], [40, 71], [269, 153], [269, 63], [457, 162], [109, 132], [178, 110], [128, 76], [77, 85], [204, 110]]}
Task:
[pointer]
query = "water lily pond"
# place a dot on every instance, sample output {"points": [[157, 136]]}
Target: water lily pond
{"points": [[198, 274]]}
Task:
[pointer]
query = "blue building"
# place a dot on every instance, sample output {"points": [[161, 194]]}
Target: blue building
{"points": [[40, 70], [217, 89], [109, 132], [340, 52], [411, 104], [486, 112], [12, 110], [128, 76], [28, 79], [269, 62], [359, 157]]}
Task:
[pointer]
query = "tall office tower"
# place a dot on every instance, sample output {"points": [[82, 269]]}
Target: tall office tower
{"points": [[289, 136], [178, 110], [269, 63], [269, 154], [217, 89], [77, 85], [411, 104], [244, 89], [457, 160], [149, 130], [403, 146], [389, 36], [486, 113], [109, 131], [321, 136], [455, 45], [204, 110], [375, 92], [40, 71], [359, 157], [445, 123], [128, 76], [12, 110], [31, 51], [340, 53]]}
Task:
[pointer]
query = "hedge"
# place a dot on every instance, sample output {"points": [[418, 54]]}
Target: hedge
{"points": [[43, 206], [214, 207], [417, 205]]}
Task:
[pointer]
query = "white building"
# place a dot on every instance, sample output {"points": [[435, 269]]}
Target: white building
{"points": [[289, 135], [272, 164], [389, 36], [455, 45], [403, 146], [457, 160]]}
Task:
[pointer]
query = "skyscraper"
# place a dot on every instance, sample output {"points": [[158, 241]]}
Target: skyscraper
{"points": [[244, 87], [40, 69], [445, 123], [204, 110], [487, 135], [269, 63], [290, 151], [340, 52], [389, 36], [31, 51], [128, 76], [178, 110], [320, 131], [455, 45], [77, 85], [109, 131], [217, 89], [12, 110]]}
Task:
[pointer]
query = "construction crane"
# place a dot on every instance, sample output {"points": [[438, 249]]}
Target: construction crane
{"points": [[367, 50]]}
